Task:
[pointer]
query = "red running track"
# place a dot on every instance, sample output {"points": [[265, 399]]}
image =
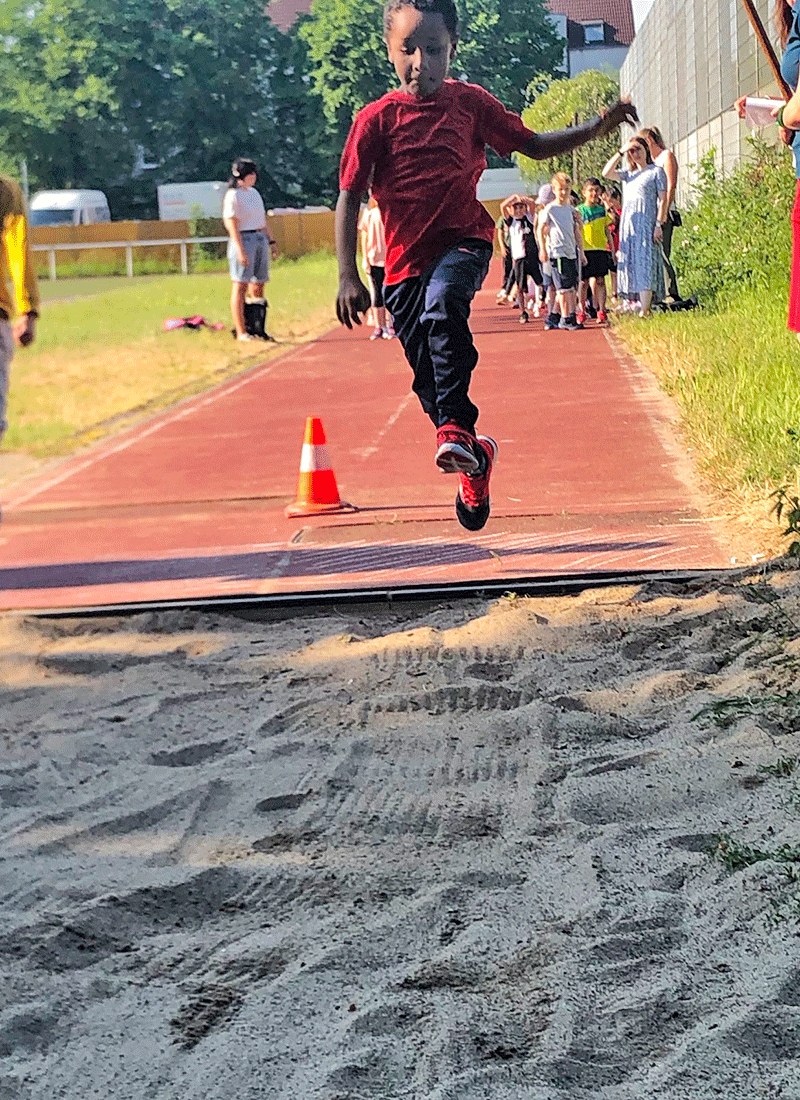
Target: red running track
{"points": [[190, 504]]}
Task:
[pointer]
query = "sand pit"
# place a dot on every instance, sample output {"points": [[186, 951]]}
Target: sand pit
{"points": [[460, 851]]}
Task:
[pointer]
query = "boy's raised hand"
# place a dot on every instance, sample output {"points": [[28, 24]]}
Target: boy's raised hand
{"points": [[621, 111], [353, 298]]}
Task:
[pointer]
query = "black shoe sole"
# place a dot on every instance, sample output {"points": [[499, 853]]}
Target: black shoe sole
{"points": [[457, 462], [472, 521]]}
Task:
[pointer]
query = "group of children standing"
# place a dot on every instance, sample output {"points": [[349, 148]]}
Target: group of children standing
{"points": [[565, 247]]}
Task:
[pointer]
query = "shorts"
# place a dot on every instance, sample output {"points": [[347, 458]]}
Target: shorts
{"points": [[376, 274], [565, 272], [256, 249], [533, 267], [597, 264]]}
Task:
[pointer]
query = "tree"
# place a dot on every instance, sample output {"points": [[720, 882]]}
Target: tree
{"points": [[347, 57], [556, 104], [58, 91], [95, 89], [197, 83], [503, 44], [306, 157]]}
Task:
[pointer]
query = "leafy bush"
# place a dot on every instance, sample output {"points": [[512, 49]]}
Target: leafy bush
{"points": [[210, 255], [737, 231]]}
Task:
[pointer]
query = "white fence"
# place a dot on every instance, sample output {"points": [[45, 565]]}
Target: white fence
{"points": [[129, 246]]}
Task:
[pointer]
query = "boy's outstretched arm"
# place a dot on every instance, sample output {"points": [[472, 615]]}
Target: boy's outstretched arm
{"points": [[353, 297], [543, 146]]}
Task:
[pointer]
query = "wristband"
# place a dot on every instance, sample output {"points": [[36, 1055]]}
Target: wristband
{"points": [[779, 117]]}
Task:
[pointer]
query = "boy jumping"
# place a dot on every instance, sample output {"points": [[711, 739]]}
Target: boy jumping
{"points": [[422, 147]]}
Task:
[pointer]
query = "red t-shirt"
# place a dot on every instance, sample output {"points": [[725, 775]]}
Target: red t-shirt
{"points": [[427, 155]]}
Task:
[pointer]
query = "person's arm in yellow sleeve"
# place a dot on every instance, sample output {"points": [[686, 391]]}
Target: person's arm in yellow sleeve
{"points": [[20, 268]]}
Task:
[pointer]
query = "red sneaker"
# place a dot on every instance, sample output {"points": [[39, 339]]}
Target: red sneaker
{"points": [[456, 452], [472, 501], [602, 317]]}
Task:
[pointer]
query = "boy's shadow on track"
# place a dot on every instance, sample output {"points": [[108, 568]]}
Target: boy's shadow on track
{"points": [[288, 562]]}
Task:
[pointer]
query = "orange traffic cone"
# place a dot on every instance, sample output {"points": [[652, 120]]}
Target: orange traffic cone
{"points": [[317, 492]]}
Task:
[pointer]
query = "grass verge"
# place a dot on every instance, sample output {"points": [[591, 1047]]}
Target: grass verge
{"points": [[102, 359], [732, 371]]}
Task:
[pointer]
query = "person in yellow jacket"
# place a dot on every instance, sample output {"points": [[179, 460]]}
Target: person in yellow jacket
{"points": [[19, 304]]}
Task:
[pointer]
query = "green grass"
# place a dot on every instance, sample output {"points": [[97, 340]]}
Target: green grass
{"points": [[64, 289], [111, 263], [102, 358], [735, 856], [783, 766], [776, 709], [734, 374]]}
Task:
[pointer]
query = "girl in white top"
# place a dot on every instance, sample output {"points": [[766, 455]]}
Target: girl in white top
{"points": [[248, 251], [373, 249]]}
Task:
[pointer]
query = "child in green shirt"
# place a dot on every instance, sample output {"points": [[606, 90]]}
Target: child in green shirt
{"points": [[598, 249]]}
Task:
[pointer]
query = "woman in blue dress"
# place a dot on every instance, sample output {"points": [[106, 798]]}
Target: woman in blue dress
{"points": [[640, 263], [787, 19]]}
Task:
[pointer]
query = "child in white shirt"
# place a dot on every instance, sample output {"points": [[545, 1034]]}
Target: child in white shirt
{"points": [[561, 242]]}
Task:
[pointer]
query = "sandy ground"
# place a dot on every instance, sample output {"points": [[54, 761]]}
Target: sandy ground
{"points": [[523, 849]]}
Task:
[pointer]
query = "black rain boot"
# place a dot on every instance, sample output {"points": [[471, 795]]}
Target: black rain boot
{"points": [[251, 317], [260, 306]]}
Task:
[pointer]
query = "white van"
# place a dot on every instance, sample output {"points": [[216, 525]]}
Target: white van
{"points": [[68, 208], [182, 201]]}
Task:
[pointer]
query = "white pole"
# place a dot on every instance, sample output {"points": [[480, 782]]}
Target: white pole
{"points": [[129, 260]]}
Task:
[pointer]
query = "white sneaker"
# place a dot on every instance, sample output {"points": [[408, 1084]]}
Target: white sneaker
{"points": [[377, 334], [245, 336]]}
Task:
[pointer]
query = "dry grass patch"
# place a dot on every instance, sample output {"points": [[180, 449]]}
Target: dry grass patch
{"points": [[103, 359]]}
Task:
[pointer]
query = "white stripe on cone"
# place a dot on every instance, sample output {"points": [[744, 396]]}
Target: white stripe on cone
{"points": [[314, 456]]}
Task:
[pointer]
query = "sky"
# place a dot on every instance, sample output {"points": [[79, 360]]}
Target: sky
{"points": [[640, 10]]}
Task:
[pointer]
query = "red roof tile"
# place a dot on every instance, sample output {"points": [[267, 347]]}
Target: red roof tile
{"points": [[617, 13], [284, 12]]}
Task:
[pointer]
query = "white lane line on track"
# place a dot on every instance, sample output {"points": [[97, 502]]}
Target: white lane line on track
{"points": [[192, 405], [368, 452]]}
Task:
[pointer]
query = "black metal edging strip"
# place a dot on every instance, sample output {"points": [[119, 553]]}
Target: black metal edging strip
{"points": [[567, 585]]}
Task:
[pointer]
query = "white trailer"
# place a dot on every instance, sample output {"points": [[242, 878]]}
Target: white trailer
{"points": [[499, 183], [182, 201], [68, 208]]}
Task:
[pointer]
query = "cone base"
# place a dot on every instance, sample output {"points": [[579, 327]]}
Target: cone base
{"points": [[301, 508]]}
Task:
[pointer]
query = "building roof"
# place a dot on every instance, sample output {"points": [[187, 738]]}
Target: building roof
{"points": [[284, 12], [617, 13]]}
